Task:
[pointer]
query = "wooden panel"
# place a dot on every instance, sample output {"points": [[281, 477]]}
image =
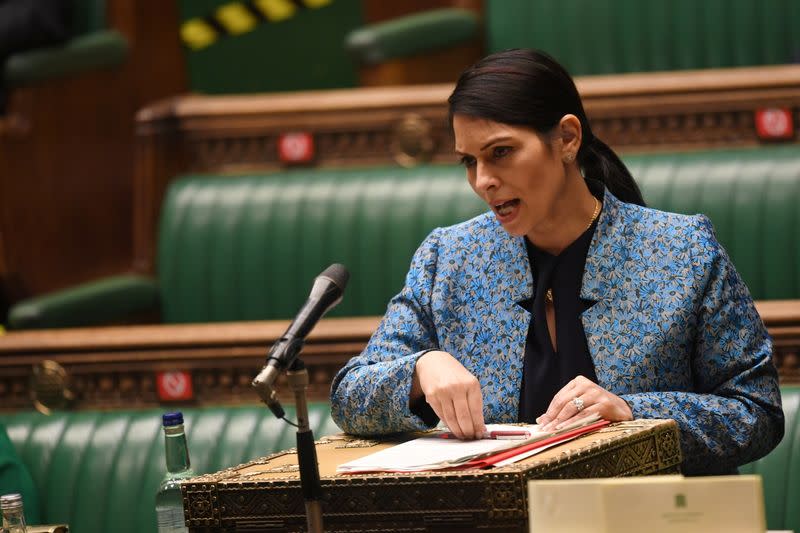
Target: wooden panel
{"points": [[116, 367], [385, 125], [782, 318], [437, 66], [66, 175], [63, 186]]}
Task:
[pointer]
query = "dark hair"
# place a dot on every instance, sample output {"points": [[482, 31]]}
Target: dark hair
{"points": [[529, 88]]}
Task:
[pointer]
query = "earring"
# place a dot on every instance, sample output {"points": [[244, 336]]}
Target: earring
{"points": [[569, 158]]}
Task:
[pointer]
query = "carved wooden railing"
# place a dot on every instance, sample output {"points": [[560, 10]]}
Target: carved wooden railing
{"points": [[116, 367], [119, 367]]}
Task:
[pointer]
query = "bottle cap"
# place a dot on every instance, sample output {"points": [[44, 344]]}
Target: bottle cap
{"points": [[172, 419], [10, 501]]}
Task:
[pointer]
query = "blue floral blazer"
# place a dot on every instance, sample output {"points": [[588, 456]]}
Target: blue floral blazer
{"points": [[673, 331]]}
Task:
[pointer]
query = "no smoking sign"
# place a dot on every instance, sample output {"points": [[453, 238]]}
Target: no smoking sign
{"points": [[774, 123], [174, 386], [297, 147]]}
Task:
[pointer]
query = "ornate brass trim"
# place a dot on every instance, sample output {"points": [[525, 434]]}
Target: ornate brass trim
{"points": [[50, 387], [489, 500], [412, 141]]}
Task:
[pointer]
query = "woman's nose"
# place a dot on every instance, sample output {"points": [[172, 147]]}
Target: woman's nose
{"points": [[484, 178]]}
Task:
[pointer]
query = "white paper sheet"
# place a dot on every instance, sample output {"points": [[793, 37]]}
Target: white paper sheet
{"points": [[430, 453], [435, 453]]}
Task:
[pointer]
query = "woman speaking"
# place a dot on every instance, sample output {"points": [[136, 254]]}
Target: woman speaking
{"points": [[568, 298]]}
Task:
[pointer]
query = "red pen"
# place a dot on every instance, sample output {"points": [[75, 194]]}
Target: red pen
{"points": [[494, 435], [507, 434]]}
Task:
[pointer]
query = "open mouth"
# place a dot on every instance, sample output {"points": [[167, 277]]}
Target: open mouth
{"points": [[506, 207]]}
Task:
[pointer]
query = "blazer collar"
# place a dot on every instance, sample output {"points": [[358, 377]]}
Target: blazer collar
{"points": [[606, 251], [513, 270]]}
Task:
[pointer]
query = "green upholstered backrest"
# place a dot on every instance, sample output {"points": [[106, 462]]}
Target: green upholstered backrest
{"points": [[607, 36], [91, 46], [780, 469], [99, 472], [248, 247], [88, 16], [235, 248]]}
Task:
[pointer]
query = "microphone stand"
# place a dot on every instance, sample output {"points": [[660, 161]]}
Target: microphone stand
{"points": [[297, 377], [325, 293]]}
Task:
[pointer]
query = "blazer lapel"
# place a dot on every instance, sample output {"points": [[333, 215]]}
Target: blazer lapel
{"points": [[509, 274], [511, 279], [513, 269], [602, 279]]}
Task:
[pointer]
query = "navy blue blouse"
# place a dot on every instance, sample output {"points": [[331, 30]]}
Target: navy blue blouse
{"points": [[545, 370]]}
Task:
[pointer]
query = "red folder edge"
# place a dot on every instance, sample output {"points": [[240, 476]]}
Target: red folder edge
{"points": [[491, 460]]}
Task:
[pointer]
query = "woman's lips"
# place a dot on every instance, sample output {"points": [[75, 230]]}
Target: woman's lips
{"points": [[505, 211]]}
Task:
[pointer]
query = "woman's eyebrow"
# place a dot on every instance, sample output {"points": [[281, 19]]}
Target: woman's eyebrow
{"points": [[487, 145], [494, 141]]}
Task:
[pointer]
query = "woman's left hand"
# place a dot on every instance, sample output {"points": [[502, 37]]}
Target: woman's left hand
{"points": [[564, 407]]}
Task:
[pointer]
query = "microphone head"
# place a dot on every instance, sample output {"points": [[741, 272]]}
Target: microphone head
{"points": [[338, 275]]}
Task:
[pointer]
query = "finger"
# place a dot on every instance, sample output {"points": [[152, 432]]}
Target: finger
{"points": [[450, 419], [567, 393], [577, 387], [610, 406], [475, 401], [464, 417], [586, 413], [553, 409], [571, 409], [565, 413], [469, 409]]}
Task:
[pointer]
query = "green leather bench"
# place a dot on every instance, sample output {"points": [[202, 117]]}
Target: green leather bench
{"points": [[247, 247], [92, 45], [614, 36], [99, 471], [600, 37], [780, 469]]}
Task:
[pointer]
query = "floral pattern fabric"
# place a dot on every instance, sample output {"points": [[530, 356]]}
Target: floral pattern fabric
{"points": [[673, 331]]}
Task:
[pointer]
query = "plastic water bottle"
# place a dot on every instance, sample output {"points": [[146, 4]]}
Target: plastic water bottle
{"points": [[13, 517], [169, 501]]}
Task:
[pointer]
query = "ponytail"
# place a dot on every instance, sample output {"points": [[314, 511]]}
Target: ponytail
{"points": [[529, 88], [598, 161]]}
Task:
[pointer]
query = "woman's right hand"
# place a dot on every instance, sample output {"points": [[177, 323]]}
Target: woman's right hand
{"points": [[452, 391]]}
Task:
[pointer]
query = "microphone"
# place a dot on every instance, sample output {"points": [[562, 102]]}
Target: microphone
{"points": [[326, 292]]}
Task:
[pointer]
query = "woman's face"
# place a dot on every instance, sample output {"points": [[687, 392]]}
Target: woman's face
{"points": [[513, 170]]}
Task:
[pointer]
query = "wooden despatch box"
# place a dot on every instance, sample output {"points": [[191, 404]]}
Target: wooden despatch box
{"points": [[264, 495]]}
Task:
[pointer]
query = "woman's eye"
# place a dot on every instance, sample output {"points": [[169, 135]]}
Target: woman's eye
{"points": [[500, 151], [468, 161]]}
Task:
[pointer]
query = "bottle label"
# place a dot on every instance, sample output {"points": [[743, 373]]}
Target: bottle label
{"points": [[170, 520]]}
